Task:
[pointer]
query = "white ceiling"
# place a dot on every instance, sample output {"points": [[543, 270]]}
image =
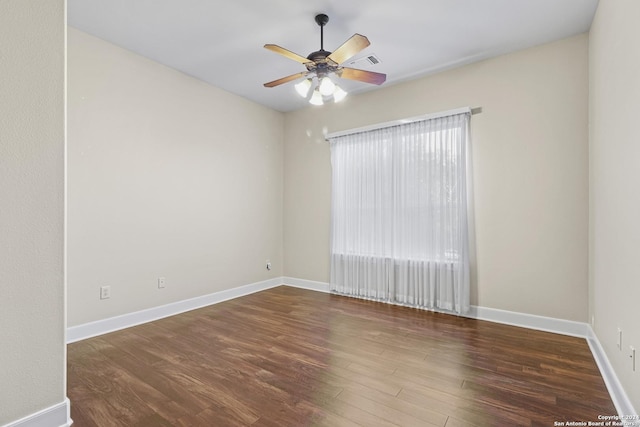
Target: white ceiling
{"points": [[221, 42]]}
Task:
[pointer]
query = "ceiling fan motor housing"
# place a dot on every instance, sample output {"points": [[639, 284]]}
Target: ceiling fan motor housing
{"points": [[319, 56]]}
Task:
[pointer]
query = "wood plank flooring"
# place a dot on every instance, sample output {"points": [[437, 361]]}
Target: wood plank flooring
{"points": [[291, 357]]}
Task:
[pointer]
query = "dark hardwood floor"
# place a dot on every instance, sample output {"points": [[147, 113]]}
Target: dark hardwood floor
{"points": [[291, 357]]}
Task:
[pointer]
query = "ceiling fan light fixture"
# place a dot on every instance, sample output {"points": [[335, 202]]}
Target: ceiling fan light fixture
{"points": [[327, 86], [316, 98], [303, 87], [339, 94]]}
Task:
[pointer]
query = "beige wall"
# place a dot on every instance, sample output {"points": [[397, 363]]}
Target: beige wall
{"points": [[530, 153], [32, 358], [168, 176], [614, 91]]}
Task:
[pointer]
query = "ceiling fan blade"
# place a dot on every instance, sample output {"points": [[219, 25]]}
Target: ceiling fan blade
{"points": [[286, 79], [284, 52], [355, 44], [363, 75]]}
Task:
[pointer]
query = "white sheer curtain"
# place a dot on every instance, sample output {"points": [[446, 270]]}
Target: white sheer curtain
{"points": [[399, 227]]}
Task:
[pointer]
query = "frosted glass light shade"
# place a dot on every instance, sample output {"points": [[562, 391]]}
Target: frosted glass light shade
{"points": [[339, 94], [316, 98], [326, 86], [303, 87]]}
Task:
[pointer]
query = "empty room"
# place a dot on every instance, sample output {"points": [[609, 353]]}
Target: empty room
{"points": [[265, 213]]}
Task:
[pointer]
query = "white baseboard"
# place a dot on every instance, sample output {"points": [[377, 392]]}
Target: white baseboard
{"points": [[529, 321], [618, 396], [306, 284], [54, 416], [99, 327]]}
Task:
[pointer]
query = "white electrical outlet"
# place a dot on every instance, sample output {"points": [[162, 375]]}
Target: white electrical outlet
{"points": [[632, 356], [161, 282], [268, 265], [105, 292], [619, 337]]}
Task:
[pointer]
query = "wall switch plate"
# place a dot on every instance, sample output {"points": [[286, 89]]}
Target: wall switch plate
{"points": [[161, 282], [105, 292], [268, 265], [632, 356]]}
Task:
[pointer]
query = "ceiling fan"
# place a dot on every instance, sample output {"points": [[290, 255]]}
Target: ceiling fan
{"points": [[322, 64]]}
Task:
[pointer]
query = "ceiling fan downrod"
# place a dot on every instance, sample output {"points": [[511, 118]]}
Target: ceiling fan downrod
{"points": [[321, 20]]}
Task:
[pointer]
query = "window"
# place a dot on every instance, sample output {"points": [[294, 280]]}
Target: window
{"points": [[399, 213]]}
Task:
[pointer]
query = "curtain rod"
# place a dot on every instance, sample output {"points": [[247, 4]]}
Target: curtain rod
{"points": [[383, 125]]}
